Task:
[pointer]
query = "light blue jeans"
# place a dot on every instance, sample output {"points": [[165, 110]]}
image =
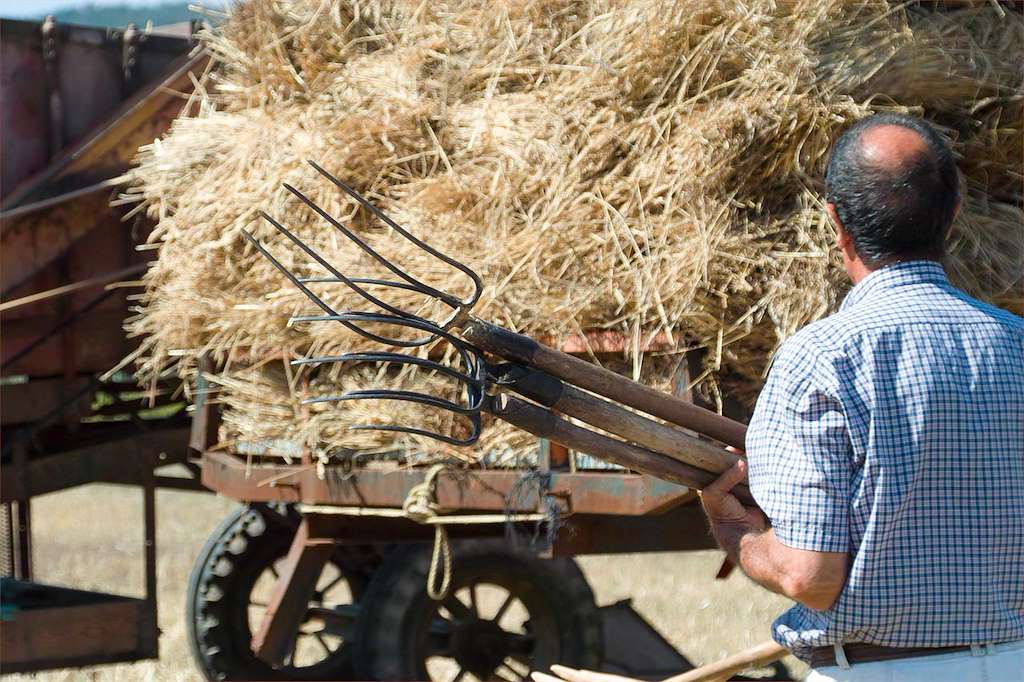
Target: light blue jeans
{"points": [[992, 663]]}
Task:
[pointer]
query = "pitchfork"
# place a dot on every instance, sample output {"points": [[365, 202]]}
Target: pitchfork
{"points": [[554, 383]]}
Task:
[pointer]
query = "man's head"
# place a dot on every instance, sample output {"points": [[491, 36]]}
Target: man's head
{"points": [[892, 190]]}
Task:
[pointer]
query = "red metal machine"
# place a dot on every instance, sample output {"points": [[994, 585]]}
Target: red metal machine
{"points": [[75, 104]]}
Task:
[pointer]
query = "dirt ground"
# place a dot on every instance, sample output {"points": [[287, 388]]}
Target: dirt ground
{"points": [[91, 538]]}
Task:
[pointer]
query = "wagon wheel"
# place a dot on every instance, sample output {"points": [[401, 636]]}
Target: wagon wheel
{"points": [[506, 614], [229, 590]]}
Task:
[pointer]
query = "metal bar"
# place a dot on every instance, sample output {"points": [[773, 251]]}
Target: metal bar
{"points": [[24, 554], [290, 599], [540, 422], [24, 517], [179, 483], [149, 639], [7, 549], [604, 382], [103, 460]]}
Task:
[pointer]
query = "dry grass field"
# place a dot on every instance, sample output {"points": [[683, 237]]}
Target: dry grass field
{"points": [[90, 537]]}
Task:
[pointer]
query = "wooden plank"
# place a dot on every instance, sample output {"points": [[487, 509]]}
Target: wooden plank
{"points": [[289, 602], [38, 639]]}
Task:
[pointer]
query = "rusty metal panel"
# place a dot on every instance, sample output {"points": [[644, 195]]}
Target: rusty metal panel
{"points": [[24, 117], [103, 343], [32, 241], [57, 241], [106, 151], [476, 490], [89, 79], [61, 81]]}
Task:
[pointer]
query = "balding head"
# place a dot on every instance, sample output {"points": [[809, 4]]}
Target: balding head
{"points": [[892, 148], [894, 185]]}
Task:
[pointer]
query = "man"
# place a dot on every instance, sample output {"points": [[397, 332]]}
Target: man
{"points": [[887, 448]]}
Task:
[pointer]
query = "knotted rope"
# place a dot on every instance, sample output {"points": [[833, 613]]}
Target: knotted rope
{"points": [[421, 506]]}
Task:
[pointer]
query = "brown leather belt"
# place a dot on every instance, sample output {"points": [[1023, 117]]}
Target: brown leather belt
{"points": [[824, 656]]}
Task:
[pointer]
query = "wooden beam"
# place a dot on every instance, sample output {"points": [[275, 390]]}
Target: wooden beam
{"points": [[275, 638]]}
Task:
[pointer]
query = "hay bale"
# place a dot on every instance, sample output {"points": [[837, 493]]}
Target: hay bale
{"points": [[645, 167]]}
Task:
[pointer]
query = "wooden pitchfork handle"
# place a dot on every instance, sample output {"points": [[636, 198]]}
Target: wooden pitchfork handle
{"points": [[524, 350], [544, 424], [755, 657], [563, 398]]}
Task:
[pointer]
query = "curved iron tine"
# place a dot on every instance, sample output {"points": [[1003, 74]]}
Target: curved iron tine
{"points": [[393, 358], [477, 282], [472, 414], [352, 284], [472, 358], [331, 314], [422, 286], [365, 280], [401, 396], [470, 440], [421, 325]]}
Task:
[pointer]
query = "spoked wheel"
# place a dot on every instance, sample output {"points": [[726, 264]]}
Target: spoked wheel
{"points": [[506, 614], [230, 588], [494, 628], [328, 626]]}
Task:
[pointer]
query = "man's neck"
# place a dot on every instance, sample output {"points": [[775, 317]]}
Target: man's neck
{"points": [[858, 269]]}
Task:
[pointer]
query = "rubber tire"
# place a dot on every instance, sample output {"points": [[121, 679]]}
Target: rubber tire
{"points": [[385, 647], [237, 552]]}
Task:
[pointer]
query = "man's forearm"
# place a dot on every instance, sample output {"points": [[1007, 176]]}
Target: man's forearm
{"points": [[814, 579], [746, 548]]}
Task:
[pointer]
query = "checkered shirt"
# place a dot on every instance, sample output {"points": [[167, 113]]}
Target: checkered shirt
{"points": [[894, 430]]}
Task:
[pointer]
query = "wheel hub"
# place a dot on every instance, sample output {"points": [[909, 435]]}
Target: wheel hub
{"points": [[479, 646]]}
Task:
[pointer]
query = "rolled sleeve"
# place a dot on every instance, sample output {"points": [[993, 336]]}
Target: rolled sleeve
{"points": [[798, 449]]}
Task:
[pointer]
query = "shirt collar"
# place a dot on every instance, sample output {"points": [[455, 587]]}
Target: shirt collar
{"points": [[897, 274]]}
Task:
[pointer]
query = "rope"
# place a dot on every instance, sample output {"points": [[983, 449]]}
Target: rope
{"points": [[421, 506]]}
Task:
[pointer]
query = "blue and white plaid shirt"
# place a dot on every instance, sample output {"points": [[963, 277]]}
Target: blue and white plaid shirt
{"points": [[894, 430]]}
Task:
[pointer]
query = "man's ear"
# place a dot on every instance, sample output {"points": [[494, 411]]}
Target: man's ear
{"points": [[842, 237]]}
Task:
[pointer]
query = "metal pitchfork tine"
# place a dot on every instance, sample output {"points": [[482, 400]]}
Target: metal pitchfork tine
{"points": [[472, 379]]}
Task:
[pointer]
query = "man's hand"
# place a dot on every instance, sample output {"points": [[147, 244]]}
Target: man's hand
{"points": [[815, 579], [726, 514]]}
